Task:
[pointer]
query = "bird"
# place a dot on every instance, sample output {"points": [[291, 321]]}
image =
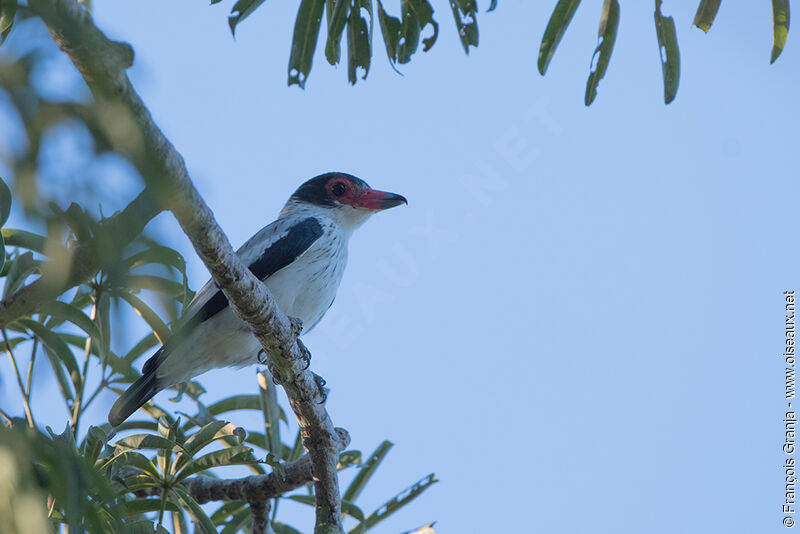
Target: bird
{"points": [[300, 257]]}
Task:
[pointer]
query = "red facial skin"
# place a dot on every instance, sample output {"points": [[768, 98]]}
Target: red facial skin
{"points": [[362, 197]]}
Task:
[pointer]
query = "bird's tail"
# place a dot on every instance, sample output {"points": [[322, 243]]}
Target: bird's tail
{"points": [[135, 396]]}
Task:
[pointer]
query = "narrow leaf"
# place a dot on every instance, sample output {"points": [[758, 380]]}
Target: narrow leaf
{"points": [[337, 11], [304, 40], [66, 312], [465, 15], [366, 472], [239, 519], [231, 456], [23, 239], [409, 38], [669, 54], [391, 30], [55, 343], [607, 34], [780, 25], [394, 504], [158, 326], [359, 49], [240, 11], [423, 11], [706, 12], [268, 395], [7, 10], [195, 510], [556, 26]]}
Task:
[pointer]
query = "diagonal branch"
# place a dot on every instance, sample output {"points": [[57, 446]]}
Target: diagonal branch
{"points": [[103, 64]]}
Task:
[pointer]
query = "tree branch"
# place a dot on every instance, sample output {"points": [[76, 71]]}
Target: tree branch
{"points": [[103, 64]]}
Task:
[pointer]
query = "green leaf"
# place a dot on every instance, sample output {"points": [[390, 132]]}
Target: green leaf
{"points": [[391, 29], [347, 507], [394, 504], [7, 10], [2, 252], [465, 15], [268, 396], [208, 434], [304, 40], [298, 449], [282, 528], [556, 26], [66, 312], [159, 284], [241, 10], [409, 34], [146, 441], [366, 472], [19, 269], [142, 506], [668, 52], [423, 11], [137, 442], [337, 11], [238, 455], [359, 40], [347, 459], [55, 343], [238, 402], [780, 27], [195, 510], [706, 12], [23, 239], [146, 343], [226, 510], [607, 35], [239, 519], [158, 326], [61, 377], [142, 463]]}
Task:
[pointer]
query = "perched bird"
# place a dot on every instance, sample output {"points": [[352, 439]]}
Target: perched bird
{"points": [[300, 257]]}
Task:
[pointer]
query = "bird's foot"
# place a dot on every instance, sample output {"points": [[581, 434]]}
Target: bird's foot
{"points": [[323, 391], [306, 354], [297, 326]]}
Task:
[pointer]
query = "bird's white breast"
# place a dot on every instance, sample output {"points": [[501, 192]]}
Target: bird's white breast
{"points": [[304, 289]]}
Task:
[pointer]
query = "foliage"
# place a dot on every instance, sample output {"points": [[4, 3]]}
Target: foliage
{"points": [[401, 34], [354, 21], [135, 471]]}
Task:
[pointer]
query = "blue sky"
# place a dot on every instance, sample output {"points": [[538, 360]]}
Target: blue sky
{"points": [[577, 321]]}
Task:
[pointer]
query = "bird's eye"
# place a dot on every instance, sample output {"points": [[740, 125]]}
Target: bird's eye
{"points": [[338, 189]]}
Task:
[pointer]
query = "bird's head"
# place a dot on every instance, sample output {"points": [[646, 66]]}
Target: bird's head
{"points": [[346, 199]]}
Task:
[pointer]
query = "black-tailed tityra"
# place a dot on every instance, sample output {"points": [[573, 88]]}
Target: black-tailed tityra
{"points": [[300, 257]]}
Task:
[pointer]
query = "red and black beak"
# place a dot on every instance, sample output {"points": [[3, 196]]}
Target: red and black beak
{"points": [[372, 199]]}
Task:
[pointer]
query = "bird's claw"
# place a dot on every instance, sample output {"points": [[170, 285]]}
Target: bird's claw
{"points": [[305, 354], [262, 357], [321, 385]]}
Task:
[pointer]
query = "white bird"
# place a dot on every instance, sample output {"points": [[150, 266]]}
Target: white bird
{"points": [[300, 257]]}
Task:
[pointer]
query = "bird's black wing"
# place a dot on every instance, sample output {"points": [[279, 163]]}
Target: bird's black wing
{"points": [[275, 257], [280, 253]]}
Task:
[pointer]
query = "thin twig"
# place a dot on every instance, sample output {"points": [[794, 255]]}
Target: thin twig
{"points": [[34, 350], [78, 406], [25, 399]]}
